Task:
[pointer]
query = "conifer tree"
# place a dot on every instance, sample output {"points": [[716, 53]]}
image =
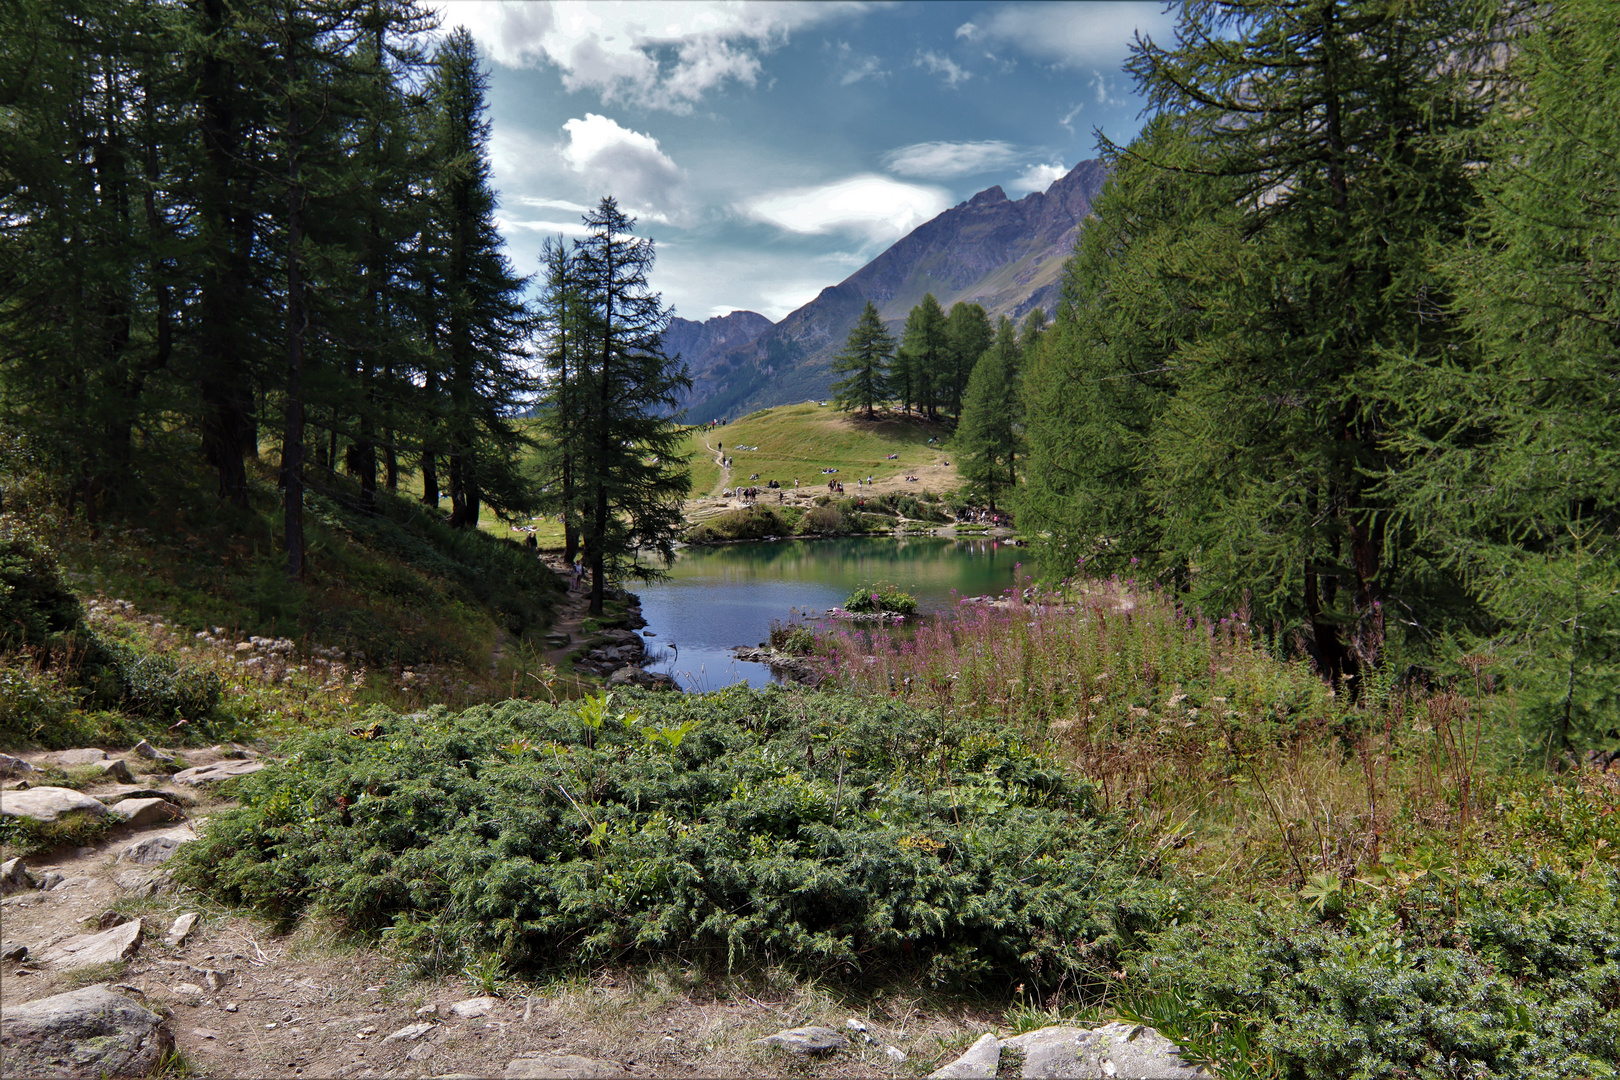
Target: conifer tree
{"points": [[563, 324], [1510, 462], [989, 437], [631, 474], [1344, 126], [968, 334], [480, 322], [865, 361], [925, 358]]}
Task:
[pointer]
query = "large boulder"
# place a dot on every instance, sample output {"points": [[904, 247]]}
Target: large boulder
{"points": [[49, 803], [107, 947], [152, 811], [71, 759], [219, 770], [980, 1062], [91, 1032], [1121, 1051], [153, 850]]}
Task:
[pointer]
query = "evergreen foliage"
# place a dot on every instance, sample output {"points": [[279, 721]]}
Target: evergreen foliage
{"points": [[990, 436], [968, 334], [865, 363], [925, 362], [750, 825], [629, 473]]}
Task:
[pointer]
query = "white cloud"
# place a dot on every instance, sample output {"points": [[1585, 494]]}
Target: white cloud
{"points": [[1072, 35], [548, 228], [940, 64], [875, 207], [857, 66], [661, 55], [946, 159], [554, 204], [1039, 178], [623, 163]]}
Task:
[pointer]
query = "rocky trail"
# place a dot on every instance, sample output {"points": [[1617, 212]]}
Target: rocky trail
{"points": [[109, 968]]}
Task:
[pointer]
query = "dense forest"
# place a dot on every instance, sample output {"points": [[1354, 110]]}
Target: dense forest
{"points": [[1340, 349], [242, 230]]}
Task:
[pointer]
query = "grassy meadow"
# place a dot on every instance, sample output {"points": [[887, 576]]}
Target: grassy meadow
{"points": [[801, 440]]}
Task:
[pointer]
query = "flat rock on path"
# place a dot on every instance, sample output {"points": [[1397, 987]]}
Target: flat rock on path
{"points": [[152, 811], [49, 803], [806, 1040], [1114, 1051], [561, 1067], [219, 770], [980, 1062], [91, 1032], [153, 850], [107, 947]]}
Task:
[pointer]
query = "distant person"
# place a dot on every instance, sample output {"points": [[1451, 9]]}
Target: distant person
{"points": [[533, 541]]}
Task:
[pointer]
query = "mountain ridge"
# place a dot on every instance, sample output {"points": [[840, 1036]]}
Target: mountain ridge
{"points": [[1007, 255]]}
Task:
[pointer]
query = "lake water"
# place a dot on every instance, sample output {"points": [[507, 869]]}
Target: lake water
{"points": [[720, 597]]}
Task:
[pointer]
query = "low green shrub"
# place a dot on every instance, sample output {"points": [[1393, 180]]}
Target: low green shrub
{"points": [[822, 830], [21, 836], [748, 523], [793, 637], [36, 608], [870, 599], [1510, 970]]}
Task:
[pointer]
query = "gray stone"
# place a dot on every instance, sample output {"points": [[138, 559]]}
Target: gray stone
{"points": [[219, 770], [14, 766], [86, 1033], [478, 1006], [69, 759], [151, 753], [650, 680], [15, 877], [410, 1033], [146, 811], [980, 1062], [561, 1067], [17, 953], [49, 803], [107, 947], [115, 769], [1120, 1051], [50, 880], [188, 989], [806, 1040], [182, 928], [142, 882], [153, 850], [894, 1054]]}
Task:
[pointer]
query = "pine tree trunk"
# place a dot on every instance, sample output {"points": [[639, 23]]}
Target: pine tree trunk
{"points": [[292, 453]]}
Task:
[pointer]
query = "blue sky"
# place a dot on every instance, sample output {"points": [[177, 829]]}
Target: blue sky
{"points": [[772, 149]]}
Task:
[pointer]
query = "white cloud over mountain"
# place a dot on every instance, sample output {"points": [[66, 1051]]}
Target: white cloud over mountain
{"points": [[942, 160], [661, 54], [1038, 178], [874, 207]]}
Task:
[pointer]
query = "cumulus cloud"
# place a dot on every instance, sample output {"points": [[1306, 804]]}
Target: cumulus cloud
{"points": [[1071, 35], [942, 160], [1039, 178], [940, 64], [874, 207], [622, 163], [660, 55]]}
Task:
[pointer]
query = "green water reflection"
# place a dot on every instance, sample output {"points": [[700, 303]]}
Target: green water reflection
{"points": [[720, 597]]}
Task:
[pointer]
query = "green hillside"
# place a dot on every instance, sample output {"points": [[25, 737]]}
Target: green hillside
{"points": [[801, 440]]}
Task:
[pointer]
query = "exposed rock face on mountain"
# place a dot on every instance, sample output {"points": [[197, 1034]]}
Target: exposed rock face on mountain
{"points": [[991, 250], [701, 344]]}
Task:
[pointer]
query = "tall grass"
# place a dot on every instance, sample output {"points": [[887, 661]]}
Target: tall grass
{"points": [[1250, 764]]}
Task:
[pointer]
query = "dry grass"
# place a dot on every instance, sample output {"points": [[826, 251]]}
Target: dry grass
{"points": [[1249, 769]]}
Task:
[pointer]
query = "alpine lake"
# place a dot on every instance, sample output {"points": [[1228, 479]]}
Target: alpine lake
{"points": [[719, 597]]}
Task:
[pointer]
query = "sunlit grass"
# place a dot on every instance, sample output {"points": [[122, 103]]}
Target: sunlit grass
{"points": [[801, 440]]}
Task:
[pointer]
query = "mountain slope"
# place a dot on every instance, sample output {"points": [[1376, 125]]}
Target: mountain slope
{"points": [[701, 344], [990, 250]]}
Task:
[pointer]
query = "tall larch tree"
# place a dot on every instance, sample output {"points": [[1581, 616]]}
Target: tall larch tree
{"points": [[864, 363]]}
